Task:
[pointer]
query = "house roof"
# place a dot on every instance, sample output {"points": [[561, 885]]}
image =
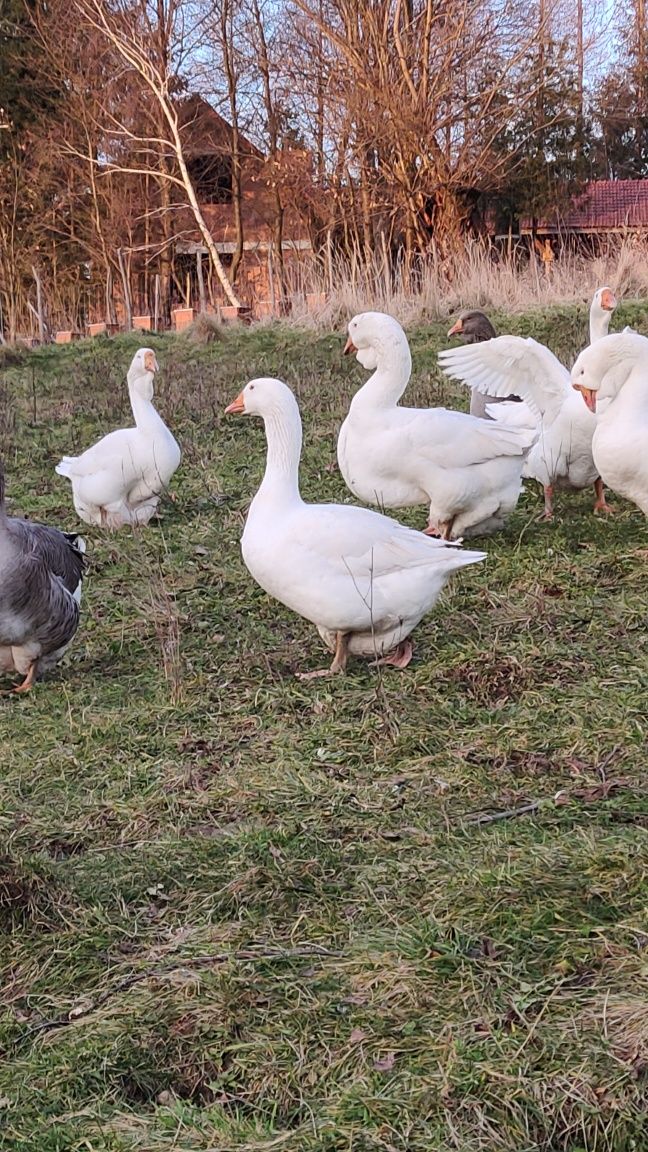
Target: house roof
{"points": [[604, 206], [206, 132]]}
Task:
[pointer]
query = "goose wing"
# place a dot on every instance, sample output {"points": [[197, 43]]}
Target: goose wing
{"points": [[370, 545], [511, 364], [41, 570], [455, 439], [59, 553]]}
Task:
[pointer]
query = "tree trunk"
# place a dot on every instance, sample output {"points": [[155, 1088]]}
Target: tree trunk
{"points": [[128, 310], [365, 201], [201, 282], [226, 31], [40, 312], [273, 139]]}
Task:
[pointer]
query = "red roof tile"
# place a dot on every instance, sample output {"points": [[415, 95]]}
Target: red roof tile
{"points": [[605, 205]]}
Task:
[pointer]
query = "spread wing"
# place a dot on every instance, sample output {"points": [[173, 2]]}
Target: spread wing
{"points": [[511, 364]]}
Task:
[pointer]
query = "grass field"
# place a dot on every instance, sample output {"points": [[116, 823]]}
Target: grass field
{"points": [[239, 911]]}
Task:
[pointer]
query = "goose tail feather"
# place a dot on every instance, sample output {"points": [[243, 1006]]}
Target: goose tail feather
{"points": [[65, 467]]}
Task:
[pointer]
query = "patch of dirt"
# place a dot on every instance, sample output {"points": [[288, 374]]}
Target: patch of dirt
{"points": [[493, 680]]}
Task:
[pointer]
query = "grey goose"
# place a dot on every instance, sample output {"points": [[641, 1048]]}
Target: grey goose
{"points": [[41, 571]]}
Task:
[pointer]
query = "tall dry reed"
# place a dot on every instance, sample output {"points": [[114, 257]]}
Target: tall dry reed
{"points": [[478, 277]]}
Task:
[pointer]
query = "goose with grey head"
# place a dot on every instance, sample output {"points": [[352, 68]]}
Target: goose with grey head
{"points": [[41, 571], [364, 580], [120, 479], [615, 370], [467, 470], [475, 327], [561, 456]]}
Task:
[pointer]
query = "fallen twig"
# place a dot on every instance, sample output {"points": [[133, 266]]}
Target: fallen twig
{"points": [[491, 817]]}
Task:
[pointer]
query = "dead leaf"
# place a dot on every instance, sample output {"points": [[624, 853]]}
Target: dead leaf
{"points": [[356, 998], [386, 1063], [357, 1036], [488, 948], [79, 1010]]}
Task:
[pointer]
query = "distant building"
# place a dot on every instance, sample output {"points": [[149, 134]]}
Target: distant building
{"points": [[208, 146], [603, 208]]}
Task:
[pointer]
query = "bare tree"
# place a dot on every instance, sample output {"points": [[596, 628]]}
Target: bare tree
{"points": [[131, 30], [426, 91], [226, 30]]}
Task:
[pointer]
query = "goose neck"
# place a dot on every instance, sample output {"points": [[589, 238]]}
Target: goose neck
{"points": [[389, 381], [284, 439], [599, 324], [143, 411], [629, 392]]}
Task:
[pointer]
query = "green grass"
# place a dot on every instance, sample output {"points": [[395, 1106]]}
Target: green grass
{"points": [[260, 914]]}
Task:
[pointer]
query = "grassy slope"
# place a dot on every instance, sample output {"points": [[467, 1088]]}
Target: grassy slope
{"points": [[174, 793]]}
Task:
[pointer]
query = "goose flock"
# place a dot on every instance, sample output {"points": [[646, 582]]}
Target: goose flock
{"points": [[362, 578]]}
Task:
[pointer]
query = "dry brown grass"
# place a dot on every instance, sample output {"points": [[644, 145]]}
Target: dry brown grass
{"points": [[205, 329], [478, 277]]}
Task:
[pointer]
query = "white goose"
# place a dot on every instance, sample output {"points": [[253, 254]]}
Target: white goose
{"points": [[41, 570], [120, 479], [363, 579], [562, 453], [468, 470], [616, 370], [603, 304]]}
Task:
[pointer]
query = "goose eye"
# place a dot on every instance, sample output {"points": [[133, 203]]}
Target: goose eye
{"points": [[251, 387]]}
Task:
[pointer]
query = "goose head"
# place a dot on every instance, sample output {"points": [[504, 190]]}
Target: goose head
{"points": [[263, 397], [375, 336], [474, 326], [602, 369], [603, 304], [604, 300], [143, 367]]}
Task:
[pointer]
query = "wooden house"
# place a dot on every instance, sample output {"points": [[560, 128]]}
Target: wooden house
{"points": [[604, 208], [208, 143]]}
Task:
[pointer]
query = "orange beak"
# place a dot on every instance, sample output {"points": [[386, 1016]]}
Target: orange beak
{"points": [[236, 407], [608, 300], [349, 347], [589, 396], [457, 329], [150, 363]]}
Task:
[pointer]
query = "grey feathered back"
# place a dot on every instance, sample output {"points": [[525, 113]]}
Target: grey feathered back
{"points": [[41, 570]]}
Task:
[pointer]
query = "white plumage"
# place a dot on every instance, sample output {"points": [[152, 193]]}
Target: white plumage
{"points": [[562, 453], [616, 370], [120, 479], [362, 578], [468, 470]]}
